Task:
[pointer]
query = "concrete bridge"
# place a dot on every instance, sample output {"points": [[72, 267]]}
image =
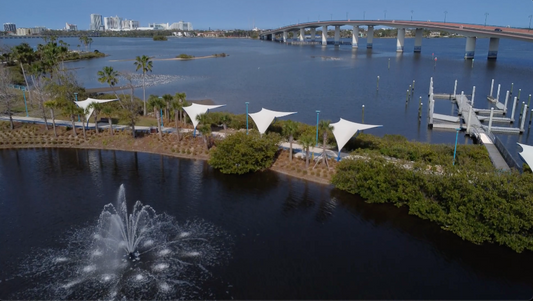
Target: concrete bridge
{"points": [[470, 31]]}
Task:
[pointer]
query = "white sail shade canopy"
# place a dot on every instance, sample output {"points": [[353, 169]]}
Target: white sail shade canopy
{"points": [[526, 154], [196, 109], [344, 130], [84, 104], [264, 118]]}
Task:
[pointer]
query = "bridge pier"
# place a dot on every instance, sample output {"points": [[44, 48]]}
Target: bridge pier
{"points": [[369, 37], [313, 34], [302, 34], [324, 35], [337, 35], [355, 36], [418, 40], [284, 36], [400, 40], [494, 43], [470, 48]]}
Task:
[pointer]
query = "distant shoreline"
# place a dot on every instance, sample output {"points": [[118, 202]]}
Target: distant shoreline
{"points": [[171, 59]]}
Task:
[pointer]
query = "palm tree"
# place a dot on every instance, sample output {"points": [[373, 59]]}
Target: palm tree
{"points": [[157, 103], [225, 119], [97, 106], [52, 105], [325, 127], [70, 109], [24, 54], [110, 76], [205, 128], [181, 98], [108, 111], [177, 107], [167, 98], [306, 140], [145, 64], [289, 129], [83, 113]]}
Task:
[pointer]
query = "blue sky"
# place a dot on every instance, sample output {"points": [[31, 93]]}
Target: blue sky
{"points": [[230, 14]]}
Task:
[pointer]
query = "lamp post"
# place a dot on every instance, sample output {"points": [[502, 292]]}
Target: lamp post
{"points": [[25, 105], [76, 97], [246, 117], [317, 113], [445, 13], [455, 149], [486, 15], [412, 15], [529, 27]]}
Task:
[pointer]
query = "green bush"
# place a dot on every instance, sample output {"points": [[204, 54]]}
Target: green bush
{"points": [[160, 38], [240, 153], [185, 56], [495, 207]]}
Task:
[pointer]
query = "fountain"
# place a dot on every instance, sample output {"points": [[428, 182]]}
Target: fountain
{"points": [[138, 255]]}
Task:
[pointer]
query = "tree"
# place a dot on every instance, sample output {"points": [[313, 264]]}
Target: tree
{"points": [[52, 105], [167, 98], [69, 108], [289, 129], [157, 103], [307, 140], [225, 119], [240, 153], [176, 106], [97, 106], [145, 64], [7, 96], [129, 108], [181, 98], [109, 76], [205, 128], [325, 128], [24, 54], [108, 111]]}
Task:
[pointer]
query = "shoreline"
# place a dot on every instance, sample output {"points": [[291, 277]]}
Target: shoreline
{"points": [[171, 59]]}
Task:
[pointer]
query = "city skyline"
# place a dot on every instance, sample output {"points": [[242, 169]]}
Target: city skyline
{"points": [[231, 14]]}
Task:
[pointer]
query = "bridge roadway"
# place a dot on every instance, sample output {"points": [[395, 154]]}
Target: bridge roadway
{"points": [[470, 31]]}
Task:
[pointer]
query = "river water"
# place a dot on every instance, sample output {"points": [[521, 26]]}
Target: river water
{"points": [[291, 239], [336, 81]]}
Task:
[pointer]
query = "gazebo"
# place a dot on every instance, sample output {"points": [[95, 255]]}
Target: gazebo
{"points": [[196, 109], [344, 130], [527, 154], [265, 117], [84, 104]]}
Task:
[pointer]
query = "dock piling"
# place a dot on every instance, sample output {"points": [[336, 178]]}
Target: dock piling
{"points": [[455, 89], [511, 93], [420, 109], [407, 95], [491, 87], [377, 84], [363, 114], [506, 100], [519, 92], [413, 87], [529, 101], [530, 117], [521, 110], [523, 120], [473, 95], [498, 94], [490, 119], [514, 108]]}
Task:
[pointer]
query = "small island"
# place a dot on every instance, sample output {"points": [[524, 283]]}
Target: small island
{"points": [[160, 38]]}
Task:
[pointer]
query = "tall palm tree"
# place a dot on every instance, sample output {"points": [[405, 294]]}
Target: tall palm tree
{"points": [[167, 98], [325, 127], [24, 54], [52, 105], [181, 98], [108, 111], [177, 107], [69, 108], [145, 64], [289, 129], [204, 128], [157, 103], [306, 140], [109, 76]]}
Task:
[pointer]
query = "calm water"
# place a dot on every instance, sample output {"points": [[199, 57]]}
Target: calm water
{"points": [[291, 239], [297, 78]]}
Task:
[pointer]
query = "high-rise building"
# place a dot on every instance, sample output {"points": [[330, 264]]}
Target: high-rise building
{"points": [[23, 31], [185, 26], [10, 27], [38, 30], [96, 22], [71, 27]]}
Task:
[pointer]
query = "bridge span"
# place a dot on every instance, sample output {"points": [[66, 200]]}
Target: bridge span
{"points": [[470, 31]]}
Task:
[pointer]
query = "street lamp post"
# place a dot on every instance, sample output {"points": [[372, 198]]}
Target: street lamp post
{"points": [[246, 117], [445, 13], [486, 15], [455, 149], [317, 112]]}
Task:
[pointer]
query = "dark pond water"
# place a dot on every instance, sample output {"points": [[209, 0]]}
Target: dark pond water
{"points": [[290, 239], [305, 79]]}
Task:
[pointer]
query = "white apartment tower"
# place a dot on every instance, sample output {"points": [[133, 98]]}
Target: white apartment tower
{"points": [[96, 22]]}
